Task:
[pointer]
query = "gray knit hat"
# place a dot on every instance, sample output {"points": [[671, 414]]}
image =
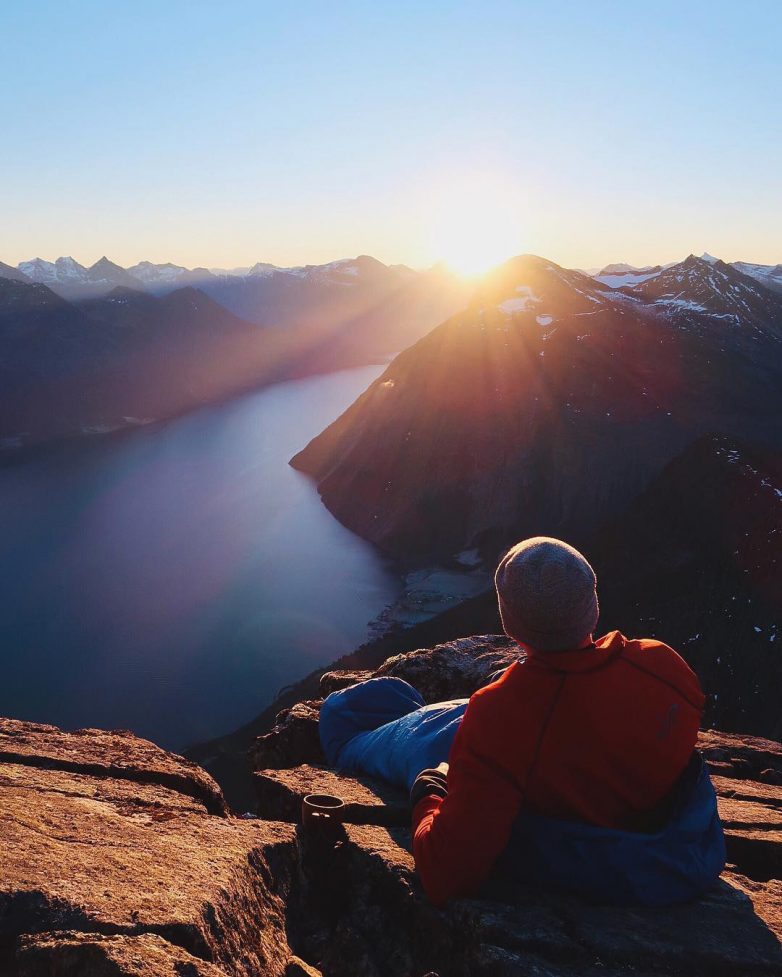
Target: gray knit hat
{"points": [[547, 596]]}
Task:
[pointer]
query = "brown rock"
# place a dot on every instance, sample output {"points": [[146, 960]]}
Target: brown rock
{"points": [[156, 801], [743, 757], [293, 740], [97, 753], [298, 968], [756, 853], [453, 670], [367, 801], [71, 860], [766, 897], [341, 679], [749, 814], [71, 954], [747, 790]]}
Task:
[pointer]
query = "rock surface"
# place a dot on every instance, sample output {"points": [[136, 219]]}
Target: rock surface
{"points": [[102, 837], [293, 739], [121, 860], [98, 753], [74, 954], [453, 670], [367, 801]]}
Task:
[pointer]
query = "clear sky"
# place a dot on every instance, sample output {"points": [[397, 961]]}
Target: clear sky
{"points": [[227, 133]]}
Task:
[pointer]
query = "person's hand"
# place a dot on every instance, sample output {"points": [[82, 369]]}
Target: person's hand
{"points": [[430, 783]]}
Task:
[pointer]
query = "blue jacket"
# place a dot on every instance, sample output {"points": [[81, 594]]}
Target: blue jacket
{"points": [[674, 864]]}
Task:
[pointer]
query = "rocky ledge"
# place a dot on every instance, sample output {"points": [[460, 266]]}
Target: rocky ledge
{"points": [[121, 859]]}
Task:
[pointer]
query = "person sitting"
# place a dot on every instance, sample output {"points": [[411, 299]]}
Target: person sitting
{"points": [[576, 768]]}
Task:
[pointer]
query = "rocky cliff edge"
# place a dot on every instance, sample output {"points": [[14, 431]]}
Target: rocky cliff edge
{"points": [[118, 858]]}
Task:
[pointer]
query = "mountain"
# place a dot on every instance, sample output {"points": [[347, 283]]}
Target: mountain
{"points": [[346, 312], [549, 403], [166, 277], [49, 350], [710, 287], [120, 360], [695, 560], [353, 310], [71, 280], [12, 274], [768, 275], [620, 274], [109, 347]]}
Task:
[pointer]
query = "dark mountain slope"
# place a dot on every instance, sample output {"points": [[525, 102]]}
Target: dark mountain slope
{"points": [[50, 353], [181, 349], [12, 274], [697, 562], [115, 354], [545, 406], [122, 359]]}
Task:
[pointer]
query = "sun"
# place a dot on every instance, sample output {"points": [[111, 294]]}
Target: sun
{"points": [[475, 226]]}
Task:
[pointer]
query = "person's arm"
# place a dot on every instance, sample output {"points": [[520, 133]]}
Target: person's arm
{"points": [[457, 838]]}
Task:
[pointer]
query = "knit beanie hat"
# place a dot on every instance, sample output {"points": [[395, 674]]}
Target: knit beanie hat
{"points": [[547, 596]]}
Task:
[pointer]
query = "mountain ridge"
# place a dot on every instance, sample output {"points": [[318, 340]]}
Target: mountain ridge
{"points": [[546, 369]]}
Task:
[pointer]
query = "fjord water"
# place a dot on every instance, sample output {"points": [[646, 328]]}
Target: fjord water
{"points": [[172, 579]]}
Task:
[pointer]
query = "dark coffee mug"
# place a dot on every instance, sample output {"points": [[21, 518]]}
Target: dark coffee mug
{"points": [[322, 811]]}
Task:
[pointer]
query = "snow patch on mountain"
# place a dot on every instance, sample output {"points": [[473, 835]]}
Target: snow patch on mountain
{"points": [[626, 278], [524, 303]]}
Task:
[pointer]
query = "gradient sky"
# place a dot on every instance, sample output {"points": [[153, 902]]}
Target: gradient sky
{"points": [[228, 133]]}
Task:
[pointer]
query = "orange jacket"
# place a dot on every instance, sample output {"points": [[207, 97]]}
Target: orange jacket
{"points": [[599, 735]]}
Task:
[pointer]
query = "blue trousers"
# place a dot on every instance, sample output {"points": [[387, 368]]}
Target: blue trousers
{"points": [[382, 727]]}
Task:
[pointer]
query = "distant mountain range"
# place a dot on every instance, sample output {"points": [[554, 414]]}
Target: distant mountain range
{"points": [[72, 280], [619, 275], [89, 350], [309, 296]]}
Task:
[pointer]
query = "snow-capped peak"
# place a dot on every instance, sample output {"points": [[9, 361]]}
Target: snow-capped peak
{"points": [[709, 258], [622, 268], [64, 269], [68, 267], [148, 271], [263, 269], [37, 268]]}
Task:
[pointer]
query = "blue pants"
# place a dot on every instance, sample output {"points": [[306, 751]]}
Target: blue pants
{"points": [[383, 727]]}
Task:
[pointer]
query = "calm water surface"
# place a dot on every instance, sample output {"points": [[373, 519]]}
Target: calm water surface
{"points": [[172, 580]]}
